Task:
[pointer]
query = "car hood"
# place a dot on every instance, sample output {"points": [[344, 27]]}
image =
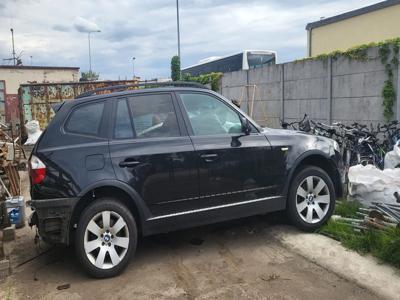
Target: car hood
{"points": [[294, 133], [266, 130], [299, 139]]}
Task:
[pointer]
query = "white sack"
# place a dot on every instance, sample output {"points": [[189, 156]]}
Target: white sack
{"points": [[369, 184], [34, 132], [392, 158]]}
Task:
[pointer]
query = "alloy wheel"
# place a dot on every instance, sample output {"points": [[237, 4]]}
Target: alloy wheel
{"points": [[312, 199], [106, 239]]}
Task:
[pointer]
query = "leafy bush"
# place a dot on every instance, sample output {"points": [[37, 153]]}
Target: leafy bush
{"points": [[89, 76], [175, 68], [211, 78]]}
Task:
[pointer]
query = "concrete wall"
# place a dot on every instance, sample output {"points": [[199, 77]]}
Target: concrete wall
{"points": [[374, 26], [327, 90]]}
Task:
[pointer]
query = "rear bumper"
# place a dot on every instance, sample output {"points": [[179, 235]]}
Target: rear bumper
{"points": [[52, 218]]}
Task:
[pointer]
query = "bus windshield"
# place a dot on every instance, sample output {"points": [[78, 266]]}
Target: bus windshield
{"points": [[256, 60]]}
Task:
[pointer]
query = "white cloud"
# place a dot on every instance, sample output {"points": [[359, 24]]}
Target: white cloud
{"points": [[84, 25]]}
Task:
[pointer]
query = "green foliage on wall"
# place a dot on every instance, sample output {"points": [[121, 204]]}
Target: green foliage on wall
{"points": [[389, 97], [388, 52], [211, 78]]}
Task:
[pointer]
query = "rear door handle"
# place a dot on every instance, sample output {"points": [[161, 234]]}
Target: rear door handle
{"points": [[209, 157], [129, 163]]}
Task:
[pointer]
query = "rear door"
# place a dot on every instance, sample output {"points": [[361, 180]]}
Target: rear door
{"points": [[233, 167], [74, 148], [151, 151]]}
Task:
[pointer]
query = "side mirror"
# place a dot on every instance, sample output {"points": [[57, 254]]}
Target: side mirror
{"points": [[246, 127], [236, 102]]}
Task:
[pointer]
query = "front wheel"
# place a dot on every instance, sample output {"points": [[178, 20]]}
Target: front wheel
{"points": [[311, 198], [106, 238]]}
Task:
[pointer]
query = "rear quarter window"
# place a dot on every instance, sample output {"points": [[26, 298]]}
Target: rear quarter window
{"points": [[86, 119]]}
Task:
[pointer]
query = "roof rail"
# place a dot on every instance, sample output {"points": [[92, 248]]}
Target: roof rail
{"points": [[123, 87]]}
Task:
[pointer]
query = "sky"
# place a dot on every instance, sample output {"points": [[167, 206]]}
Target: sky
{"points": [[54, 32]]}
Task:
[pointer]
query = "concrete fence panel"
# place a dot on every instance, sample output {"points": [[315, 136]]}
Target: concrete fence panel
{"points": [[332, 89]]}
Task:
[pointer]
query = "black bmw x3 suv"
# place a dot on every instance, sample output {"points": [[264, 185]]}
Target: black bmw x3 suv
{"points": [[112, 167]]}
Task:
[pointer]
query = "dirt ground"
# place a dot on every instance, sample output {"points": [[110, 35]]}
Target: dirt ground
{"points": [[235, 260], [242, 259]]}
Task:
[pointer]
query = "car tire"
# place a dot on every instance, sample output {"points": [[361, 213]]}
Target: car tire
{"points": [[106, 238], [311, 198]]}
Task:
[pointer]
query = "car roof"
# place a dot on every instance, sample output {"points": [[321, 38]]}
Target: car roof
{"points": [[139, 91], [169, 89]]}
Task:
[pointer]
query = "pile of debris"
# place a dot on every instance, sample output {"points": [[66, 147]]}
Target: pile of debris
{"points": [[11, 156], [12, 211], [378, 216]]}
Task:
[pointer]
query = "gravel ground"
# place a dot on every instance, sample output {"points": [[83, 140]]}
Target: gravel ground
{"points": [[235, 260], [252, 258]]}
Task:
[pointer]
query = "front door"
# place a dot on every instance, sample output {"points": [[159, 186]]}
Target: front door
{"points": [[233, 167], [151, 151]]}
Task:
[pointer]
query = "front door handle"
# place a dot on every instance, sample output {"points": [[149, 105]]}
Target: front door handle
{"points": [[209, 157], [129, 163]]}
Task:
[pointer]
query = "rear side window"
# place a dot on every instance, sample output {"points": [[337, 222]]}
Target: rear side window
{"points": [[154, 116], [86, 119]]}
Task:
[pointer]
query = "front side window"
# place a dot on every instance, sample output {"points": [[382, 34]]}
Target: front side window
{"points": [[210, 116], [86, 119], [154, 116]]}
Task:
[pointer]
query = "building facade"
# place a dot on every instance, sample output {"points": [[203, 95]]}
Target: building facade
{"points": [[11, 77], [374, 23]]}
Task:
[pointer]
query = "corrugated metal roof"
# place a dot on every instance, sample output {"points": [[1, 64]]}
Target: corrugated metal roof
{"points": [[353, 13]]}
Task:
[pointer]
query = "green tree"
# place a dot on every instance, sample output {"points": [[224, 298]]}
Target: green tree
{"points": [[175, 68], [89, 76]]}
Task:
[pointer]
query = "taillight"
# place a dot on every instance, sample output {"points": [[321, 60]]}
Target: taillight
{"points": [[37, 170]]}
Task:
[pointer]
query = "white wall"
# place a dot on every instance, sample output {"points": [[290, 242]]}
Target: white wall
{"points": [[16, 76]]}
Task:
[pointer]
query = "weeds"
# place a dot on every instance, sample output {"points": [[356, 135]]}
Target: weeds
{"points": [[383, 244], [347, 209]]}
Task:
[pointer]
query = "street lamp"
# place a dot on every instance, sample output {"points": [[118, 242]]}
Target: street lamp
{"points": [[133, 66], [90, 54], [179, 38]]}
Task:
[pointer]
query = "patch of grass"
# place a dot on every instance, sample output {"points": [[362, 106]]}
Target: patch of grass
{"points": [[388, 246], [347, 236], [384, 244], [347, 209]]}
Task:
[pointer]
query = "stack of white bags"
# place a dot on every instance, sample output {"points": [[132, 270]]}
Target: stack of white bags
{"points": [[369, 184]]}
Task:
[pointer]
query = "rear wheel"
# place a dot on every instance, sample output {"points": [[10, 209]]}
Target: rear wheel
{"points": [[311, 198], [106, 238]]}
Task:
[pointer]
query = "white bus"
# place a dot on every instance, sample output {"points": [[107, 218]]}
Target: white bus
{"points": [[248, 59]]}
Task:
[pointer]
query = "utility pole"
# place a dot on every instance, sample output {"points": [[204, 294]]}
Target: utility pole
{"points": [[90, 54], [13, 48], [31, 59], [133, 67], [179, 38]]}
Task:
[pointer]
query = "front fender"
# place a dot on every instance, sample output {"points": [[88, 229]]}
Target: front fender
{"points": [[310, 155]]}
